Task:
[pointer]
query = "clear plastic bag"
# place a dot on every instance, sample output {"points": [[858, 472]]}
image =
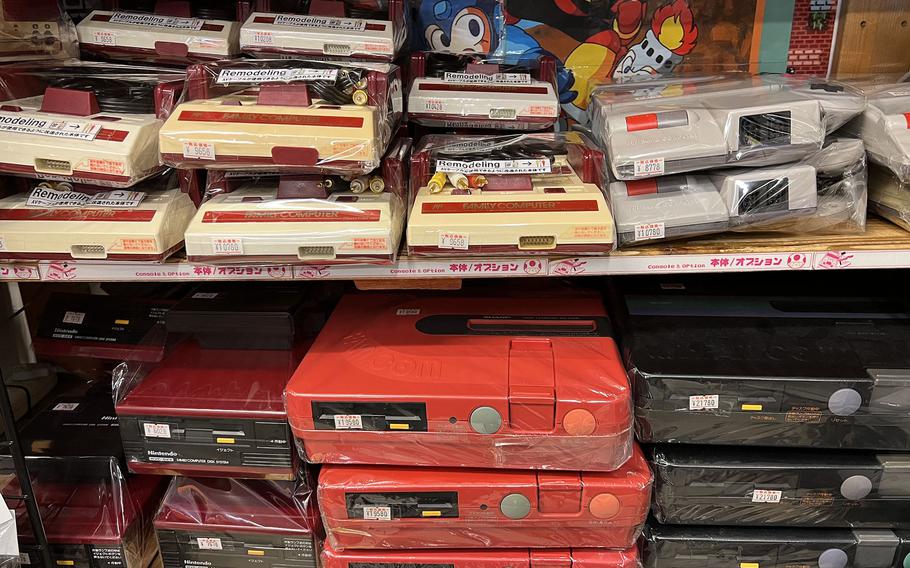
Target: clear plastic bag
{"points": [[64, 221], [765, 368], [294, 116], [84, 122], [221, 522], [671, 126], [477, 27], [90, 511], [885, 128], [37, 30], [303, 218], [359, 29], [826, 191], [175, 32], [888, 196], [716, 547], [366, 507], [695, 485], [471, 92], [528, 194], [529, 383]]}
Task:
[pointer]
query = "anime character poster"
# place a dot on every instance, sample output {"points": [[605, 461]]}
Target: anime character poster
{"points": [[597, 40]]}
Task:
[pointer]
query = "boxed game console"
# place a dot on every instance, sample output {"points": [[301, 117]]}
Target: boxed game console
{"points": [[354, 28], [657, 128], [236, 522], [318, 219], [531, 194], [695, 485], [92, 515], [468, 93], [298, 116], [62, 220], [664, 546], [760, 368], [85, 122], [885, 128], [158, 38], [377, 507], [518, 558], [464, 381]]}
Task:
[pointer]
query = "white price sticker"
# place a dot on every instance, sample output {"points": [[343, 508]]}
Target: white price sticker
{"points": [[208, 543], [502, 113], [648, 231], [263, 38], [199, 150], [348, 422], [377, 513], [704, 402], [75, 318], [104, 38], [66, 406], [156, 430], [766, 496], [407, 312], [453, 241], [649, 167], [227, 245]]}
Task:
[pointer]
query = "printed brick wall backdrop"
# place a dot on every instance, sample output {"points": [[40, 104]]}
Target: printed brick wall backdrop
{"points": [[811, 37]]}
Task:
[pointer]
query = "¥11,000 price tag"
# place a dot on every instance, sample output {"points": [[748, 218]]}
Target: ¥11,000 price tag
{"points": [[377, 513], [348, 422], [704, 402]]}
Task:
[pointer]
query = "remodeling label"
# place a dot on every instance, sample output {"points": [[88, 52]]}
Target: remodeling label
{"points": [[155, 21], [231, 76], [24, 124], [325, 22], [485, 79], [522, 166], [50, 198]]}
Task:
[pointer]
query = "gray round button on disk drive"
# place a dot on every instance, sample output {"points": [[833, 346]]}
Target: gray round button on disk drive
{"points": [[833, 558], [486, 420], [515, 506], [844, 402]]}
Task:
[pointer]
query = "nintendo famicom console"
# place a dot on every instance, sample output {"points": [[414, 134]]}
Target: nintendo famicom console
{"points": [[537, 204], [888, 196], [885, 129], [92, 516], [467, 382], [520, 558], [762, 196], [236, 523], [667, 207], [298, 218], [157, 38], [110, 225], [784, 487], [304, 117], [712, 368], [119, 328], [754, 126], [376, 507], [719, 547], [483, 96], [326, 29], [211, 413], [35, 30]]}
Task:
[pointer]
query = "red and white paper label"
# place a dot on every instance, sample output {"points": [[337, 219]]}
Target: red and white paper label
{"points": [[208, 543], [704, 402], [348, 422], [377, 513], [766, 496], [455, 241], [227, 245], [649, 231], [648, 167], [199, 150], [104, 38], [156, 430]]}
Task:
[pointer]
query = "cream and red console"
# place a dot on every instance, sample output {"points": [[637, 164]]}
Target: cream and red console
{"points": [[482, 96], [303, 117], [111, 226], [326, 29], [885, 129], [667, 207], [158, 38], [767, 195], [557, 206]]}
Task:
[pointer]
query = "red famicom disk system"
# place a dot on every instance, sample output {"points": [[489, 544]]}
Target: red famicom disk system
{"points": [[409, 507], [464, 381], [520, 558]]}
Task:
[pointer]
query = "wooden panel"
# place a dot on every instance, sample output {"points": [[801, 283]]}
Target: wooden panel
{"points": [[873, 38]]}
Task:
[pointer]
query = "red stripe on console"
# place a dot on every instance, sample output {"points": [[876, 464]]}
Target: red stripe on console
{"points": [[111, 135], [641, 122], [278, 119], [510, 206], [290, 216], [483, 88], [264, 19], [641, 187], [907, 118], [75, 215]]}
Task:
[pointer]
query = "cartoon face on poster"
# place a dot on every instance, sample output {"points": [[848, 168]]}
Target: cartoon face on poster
{"points": [[596, 40]]}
